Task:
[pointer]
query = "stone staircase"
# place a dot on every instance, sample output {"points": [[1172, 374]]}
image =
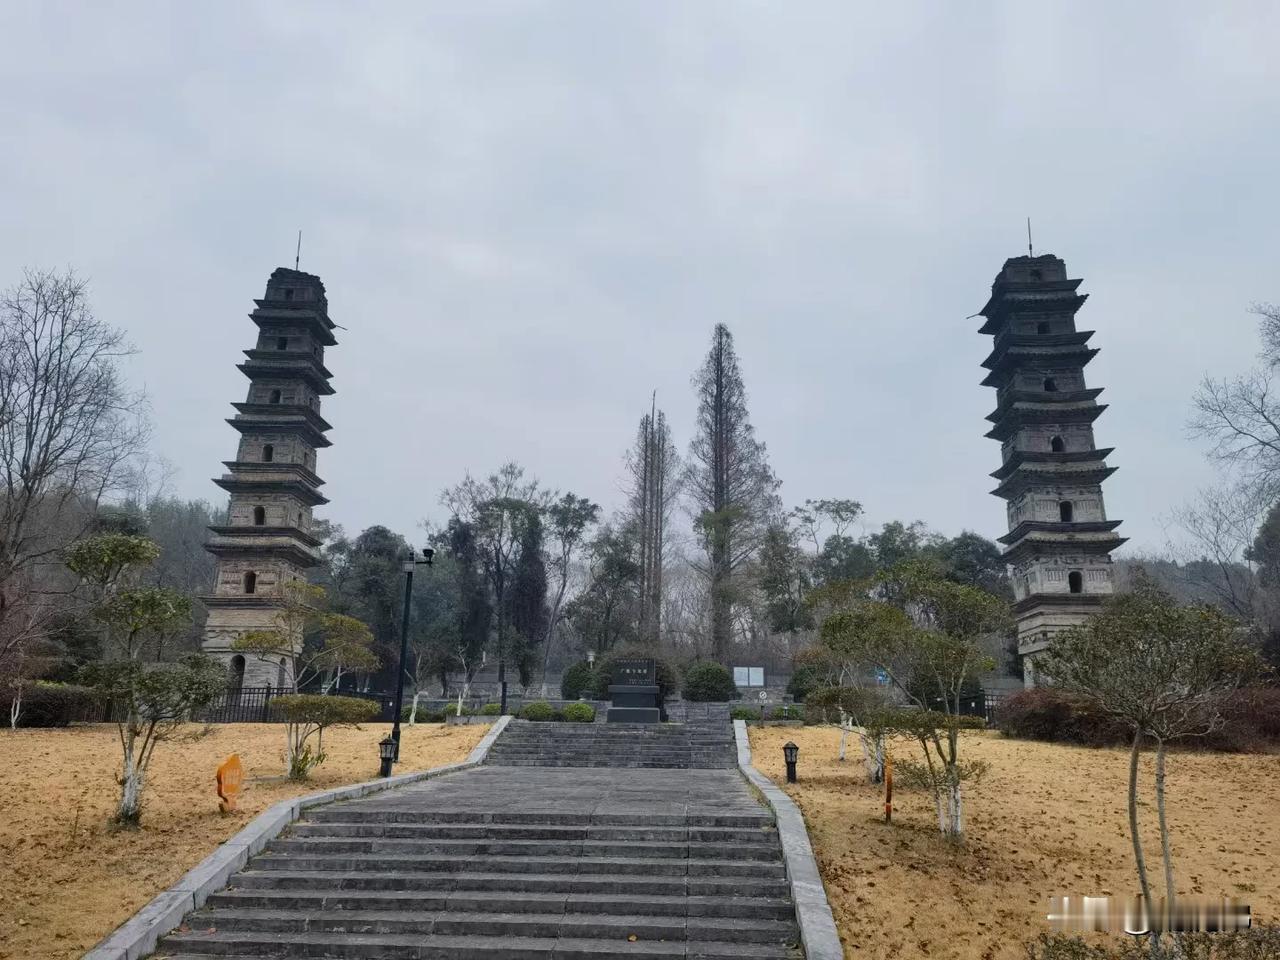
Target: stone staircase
{"points": [[497, 862], [699, 744]]}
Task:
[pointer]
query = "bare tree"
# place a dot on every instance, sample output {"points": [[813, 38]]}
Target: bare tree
{"points": [[653, 468], [731, 486], [1219, 527], [567, 521], [68, 429]]}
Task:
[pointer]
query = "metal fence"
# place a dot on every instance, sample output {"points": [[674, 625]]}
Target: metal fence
{"points": [[235, 705]]}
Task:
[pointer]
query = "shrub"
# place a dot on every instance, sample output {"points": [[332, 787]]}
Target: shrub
{"points": [[805, 679], [309, 714], [744, 713], [578, 679], [788, 711], [491, 710], [53, 704], [1251, 721], [708, 682], [667, 678], [451, 710], [539, 711], [1047, 714], [579, 713]]}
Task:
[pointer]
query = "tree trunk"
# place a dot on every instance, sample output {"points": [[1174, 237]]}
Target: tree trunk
{"points": [[956, 809], [1165, 852], [413, 707], [129, 811], [15, 708], [1139, 859]]}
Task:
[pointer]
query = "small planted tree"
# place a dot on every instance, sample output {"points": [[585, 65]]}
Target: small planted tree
{"points": [[153, 694], [862, 711], [1161, 670], [309, 715], [928, 641], [319, 646]]}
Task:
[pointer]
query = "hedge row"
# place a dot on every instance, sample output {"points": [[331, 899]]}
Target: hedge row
{"points": [[1252, 721]]}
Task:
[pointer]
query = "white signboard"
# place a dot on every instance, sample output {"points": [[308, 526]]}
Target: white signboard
{"points": [[748, 676]]}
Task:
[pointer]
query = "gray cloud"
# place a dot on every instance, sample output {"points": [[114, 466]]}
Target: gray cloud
{"points": [[529, 215]]}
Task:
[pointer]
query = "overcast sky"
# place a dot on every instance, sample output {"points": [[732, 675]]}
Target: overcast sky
{"points": [[528, 216]]}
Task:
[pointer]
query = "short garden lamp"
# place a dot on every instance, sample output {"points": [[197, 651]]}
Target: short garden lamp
{"points": [[790, 752], [387, 751]]}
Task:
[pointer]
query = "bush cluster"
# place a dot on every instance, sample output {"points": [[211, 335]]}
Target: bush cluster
{"points": [[709, 682], [579, 713], [491, 710], [1252, 720], [578, 679], [744, 713], [53, 704], [539, 711]]}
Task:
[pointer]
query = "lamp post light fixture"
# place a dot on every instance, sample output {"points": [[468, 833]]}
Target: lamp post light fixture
{"points": [[790, 752], [427, 556], [387, 752]]}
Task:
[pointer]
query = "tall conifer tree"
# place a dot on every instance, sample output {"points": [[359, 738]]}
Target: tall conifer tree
{"points": [[731, 486], [654, 468]]}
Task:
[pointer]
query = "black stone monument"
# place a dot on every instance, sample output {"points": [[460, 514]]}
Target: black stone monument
{"points": [[634, 694]]}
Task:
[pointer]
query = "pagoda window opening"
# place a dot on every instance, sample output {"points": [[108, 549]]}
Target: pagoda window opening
{"points": [[268, 453], [259, 516], [1066, 510], [1037, 275], [1042, 327], [250, 582], [274, 397], [1075, 581], [1057, 445], [1050, 385], [288, 293], [282, 343]]}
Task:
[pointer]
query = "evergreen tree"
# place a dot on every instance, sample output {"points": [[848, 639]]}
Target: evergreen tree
{"points": [[732, 488], [527, 598], [654, 468]]}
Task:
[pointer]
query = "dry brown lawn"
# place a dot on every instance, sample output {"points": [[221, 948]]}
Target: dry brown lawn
{"points": [[1046, 819], [66, 880]]}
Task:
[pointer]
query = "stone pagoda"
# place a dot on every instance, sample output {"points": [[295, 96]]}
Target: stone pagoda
{"points": [[268, 539], [1059, 541]]}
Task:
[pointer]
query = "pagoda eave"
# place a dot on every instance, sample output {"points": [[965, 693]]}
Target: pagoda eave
{"points": [[1019, 416], [1014, 398], [1025, 479], [1086, 602], [283, 410], [301, 491], [320, 329], [259, 370], [1036, 546], [269, 472], [1018, 458], [299, 427], [1032, 344], [1067, 529], [253, 531], [289, 358], [1013, 359], [296, 554]]}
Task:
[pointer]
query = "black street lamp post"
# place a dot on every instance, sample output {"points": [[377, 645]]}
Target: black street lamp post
{"points": [[427, 555], [790, 752]]}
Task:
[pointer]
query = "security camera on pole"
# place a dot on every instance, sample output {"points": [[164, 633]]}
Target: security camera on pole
{"points": [[427, 555]]}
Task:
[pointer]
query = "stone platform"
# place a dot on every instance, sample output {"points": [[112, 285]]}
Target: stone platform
{"points": [[696, 744]]}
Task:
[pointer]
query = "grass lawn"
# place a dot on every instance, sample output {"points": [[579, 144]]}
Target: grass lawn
{"points": [[1046, 819], [66, 880]]}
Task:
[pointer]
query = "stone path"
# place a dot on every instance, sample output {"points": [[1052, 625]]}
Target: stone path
{"points": [[513, 863]]}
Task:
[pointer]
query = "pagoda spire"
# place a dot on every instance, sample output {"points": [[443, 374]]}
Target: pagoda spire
{"points": [[268, 540], [1059, 541]]}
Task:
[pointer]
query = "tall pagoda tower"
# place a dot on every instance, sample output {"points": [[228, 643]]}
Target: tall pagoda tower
{"points": [[1059, 541], [268, 540]]}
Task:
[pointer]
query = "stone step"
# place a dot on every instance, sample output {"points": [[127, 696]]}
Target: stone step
{"points": [[239, 945], [504, 901], [472, 923], [556, 847], [443, 863], [493, 831], [363, 812], [335, 882]]}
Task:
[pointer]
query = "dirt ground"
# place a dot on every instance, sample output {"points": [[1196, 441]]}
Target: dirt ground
{"points": [[66, 880], [1046, 819]]}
